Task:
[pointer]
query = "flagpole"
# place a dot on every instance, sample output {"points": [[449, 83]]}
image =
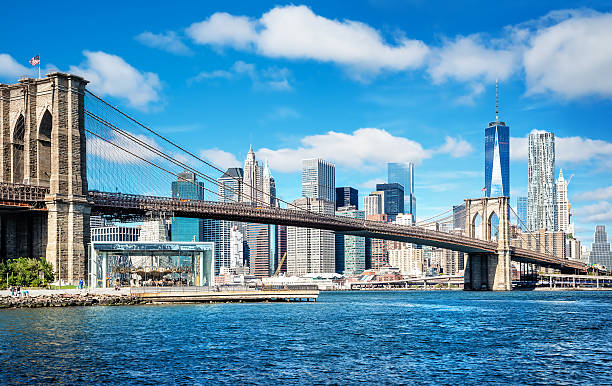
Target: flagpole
{"points": [[39, 70]]}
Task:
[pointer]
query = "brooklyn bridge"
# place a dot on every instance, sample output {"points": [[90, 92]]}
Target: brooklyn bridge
{"points": [[67, 154]]}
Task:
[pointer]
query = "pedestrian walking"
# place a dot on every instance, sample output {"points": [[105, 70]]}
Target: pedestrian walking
{"points": [[12, 291]]}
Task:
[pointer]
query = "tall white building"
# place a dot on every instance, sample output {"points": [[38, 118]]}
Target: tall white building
{"points": [[236, 247], [311, 250], [374, 203], [319, 179], [252, 188], [541, 182], [562, 208]]}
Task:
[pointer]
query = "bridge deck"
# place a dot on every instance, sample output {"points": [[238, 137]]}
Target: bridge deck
{"points": [[119, 204]]}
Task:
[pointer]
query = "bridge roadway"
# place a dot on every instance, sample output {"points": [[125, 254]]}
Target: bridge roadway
{"points": [[119, 204]]}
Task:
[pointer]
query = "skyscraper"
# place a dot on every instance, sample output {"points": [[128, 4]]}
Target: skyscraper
{"points": [[187, 188], [230, 185], [252, 187], [600, 249], [347, 196], [378, 251], [521, 211], [373, 204], [311, 250], [541, 181], [497, 156], [219, 231], [258, 236], [269, 187], [319, 179], [403, 174], [393, 202], [459, 216], [562, 215], [350, 250]]}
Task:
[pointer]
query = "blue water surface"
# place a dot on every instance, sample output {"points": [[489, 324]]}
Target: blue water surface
{"points": [[437, 337]]}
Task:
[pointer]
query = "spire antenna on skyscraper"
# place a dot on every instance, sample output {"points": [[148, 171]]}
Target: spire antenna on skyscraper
{"points": [[496, 101]]}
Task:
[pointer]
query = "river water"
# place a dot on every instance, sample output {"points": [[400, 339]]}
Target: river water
{"points": [[435, 337]]}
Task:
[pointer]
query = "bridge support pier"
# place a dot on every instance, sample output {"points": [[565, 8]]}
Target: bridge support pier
{"points": [[68, 235], [488, 272]]}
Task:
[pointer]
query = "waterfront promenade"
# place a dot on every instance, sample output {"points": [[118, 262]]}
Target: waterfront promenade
{"points": [[153, 295]]}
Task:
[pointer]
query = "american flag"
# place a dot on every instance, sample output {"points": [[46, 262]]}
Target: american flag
{"points": [[35, 60]]}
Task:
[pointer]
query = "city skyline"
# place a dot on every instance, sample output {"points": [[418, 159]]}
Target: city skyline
{"points": [[309, 104]]}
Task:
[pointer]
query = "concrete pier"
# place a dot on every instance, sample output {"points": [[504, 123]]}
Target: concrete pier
{"points": [[205, 295]]}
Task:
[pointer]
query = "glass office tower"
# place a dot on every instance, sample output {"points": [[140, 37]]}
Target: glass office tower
{"points": [[187, 188], [497, 159], [403, 174]]}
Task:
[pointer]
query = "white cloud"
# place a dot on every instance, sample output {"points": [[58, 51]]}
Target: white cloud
{"points": [[476, 89], [572, 58], [363, 149], [455, 147], [295, 32], [600, 212], [565, 149], [11, 69], [221, 159], [169, 42], [594, 195], [111, 75], [224, 29], [371, 184], [271, 78], [470, 57]]}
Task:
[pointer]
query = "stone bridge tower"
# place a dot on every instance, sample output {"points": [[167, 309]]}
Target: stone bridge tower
{"points": [[482, 270], [42, 142]]}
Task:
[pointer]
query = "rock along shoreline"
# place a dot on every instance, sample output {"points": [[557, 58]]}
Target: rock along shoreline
{"points": [[70, 300]]}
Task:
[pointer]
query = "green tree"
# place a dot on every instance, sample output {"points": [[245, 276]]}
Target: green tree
{"points": [[26, 272]]}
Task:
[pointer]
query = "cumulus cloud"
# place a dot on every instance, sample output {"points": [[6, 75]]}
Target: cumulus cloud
{"points": [[595, 195], [220, 158], [600, 212], [111, 75], [10, 69], [472, 57], [169, 42], [565, 149], [223, 29], [366, 148], [572, 58], [456, 147], [295, 32], [272, 78]]}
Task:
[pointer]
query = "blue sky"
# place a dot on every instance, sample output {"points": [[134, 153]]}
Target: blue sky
{"points": [[359, 83]]}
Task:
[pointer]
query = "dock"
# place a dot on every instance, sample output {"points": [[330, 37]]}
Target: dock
{"points": [[225, 295]]}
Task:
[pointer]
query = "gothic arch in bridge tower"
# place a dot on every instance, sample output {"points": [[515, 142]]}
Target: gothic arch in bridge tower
{"points": [[493, 226], [475, 229], [489, 271], [44, 149], [42, 144], [17, 149]]}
